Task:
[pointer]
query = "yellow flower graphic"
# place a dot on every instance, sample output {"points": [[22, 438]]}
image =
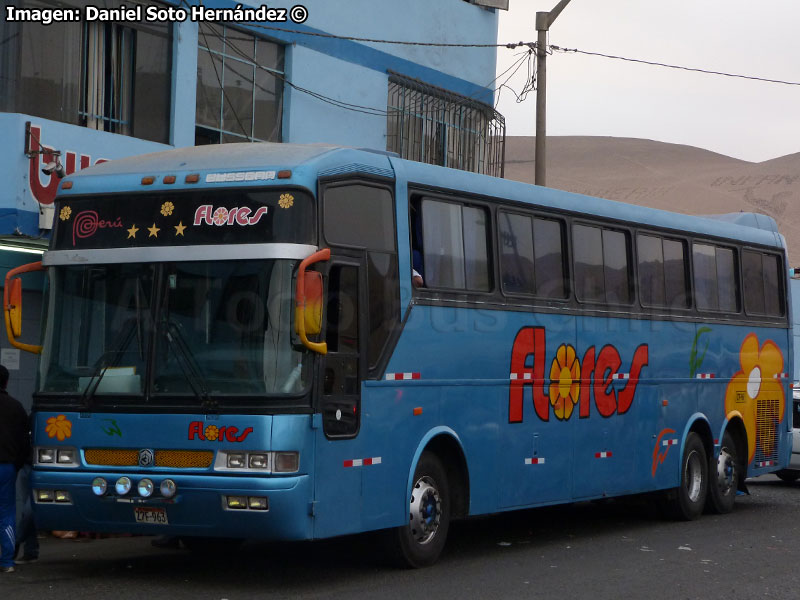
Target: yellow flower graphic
{"points": [[212, 433], [167, 208], [59, 427], [565, 382], [286, 201], [65, 213], [757, 394]]}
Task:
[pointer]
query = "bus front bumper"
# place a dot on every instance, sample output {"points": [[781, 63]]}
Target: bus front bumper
{"points": [[271, 508]]}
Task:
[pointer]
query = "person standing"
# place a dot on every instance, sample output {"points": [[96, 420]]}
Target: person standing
{"points": [[15, 448]]}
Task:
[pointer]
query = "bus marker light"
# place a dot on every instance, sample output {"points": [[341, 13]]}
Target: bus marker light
{"points": [[534, 461], [417, 411], [66, 185], [169, 179], [284, 174], [148, 180], [123, 486], [99, 486], [665, 403], [63, 497], [168, 488], [781, 376], [237, 502], [621, 376], [672, 442], [602, 455], [286, 462], [705, 376], [766, 463], [193, 178]]}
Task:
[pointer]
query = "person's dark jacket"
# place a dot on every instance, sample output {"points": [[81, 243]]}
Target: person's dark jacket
{"points": [[15, 443]]}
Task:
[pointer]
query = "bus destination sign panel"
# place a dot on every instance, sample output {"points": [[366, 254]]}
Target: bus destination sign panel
{"points": [[184, 219]]}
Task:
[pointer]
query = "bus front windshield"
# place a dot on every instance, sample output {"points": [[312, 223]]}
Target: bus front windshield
{"points": [[159, 331]]}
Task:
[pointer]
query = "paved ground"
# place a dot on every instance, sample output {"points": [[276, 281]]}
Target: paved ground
{"points": [[590, 550]]}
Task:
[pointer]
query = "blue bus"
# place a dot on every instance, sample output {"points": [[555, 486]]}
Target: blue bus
{"points": [[294, 342]]}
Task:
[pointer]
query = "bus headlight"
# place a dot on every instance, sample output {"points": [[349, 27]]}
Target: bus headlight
{"points": [[99, 486], [123, 486], [168, 488], [45, 455], [236, 460], [258, 461], [145, 488], [59, 457], [66, 456]]}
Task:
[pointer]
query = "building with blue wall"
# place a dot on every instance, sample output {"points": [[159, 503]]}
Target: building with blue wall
{"points": [[104, 84]]}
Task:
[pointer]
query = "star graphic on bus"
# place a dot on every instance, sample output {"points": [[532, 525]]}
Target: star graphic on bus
{"points": [[132, 231], [179, 228], [153, 231]]}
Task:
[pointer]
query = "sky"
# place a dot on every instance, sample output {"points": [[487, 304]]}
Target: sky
{"points": [[589, 95]]}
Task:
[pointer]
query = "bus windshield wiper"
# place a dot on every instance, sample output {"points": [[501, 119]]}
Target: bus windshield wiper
{"points": [[188, 366], [107, 360]]}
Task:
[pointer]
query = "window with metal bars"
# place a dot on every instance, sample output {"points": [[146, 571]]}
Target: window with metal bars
{"points": [[239, 87], [439, 127], [109, 76]]}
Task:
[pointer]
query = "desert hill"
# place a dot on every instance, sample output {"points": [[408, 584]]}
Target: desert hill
{"points": [[667, 176]]}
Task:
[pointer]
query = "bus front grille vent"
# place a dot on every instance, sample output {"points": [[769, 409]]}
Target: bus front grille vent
{"points": [[767, 422], [124, 457]]}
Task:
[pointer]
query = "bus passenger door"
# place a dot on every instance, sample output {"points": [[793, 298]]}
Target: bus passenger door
{"points": [[337, 506]]}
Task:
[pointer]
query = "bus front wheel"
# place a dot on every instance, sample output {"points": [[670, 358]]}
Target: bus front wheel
{"points": [[686, 502], [723, 477], [420, 542]]}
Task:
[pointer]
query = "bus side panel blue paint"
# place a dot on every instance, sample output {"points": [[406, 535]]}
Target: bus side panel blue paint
{"points": [[612, 445]]}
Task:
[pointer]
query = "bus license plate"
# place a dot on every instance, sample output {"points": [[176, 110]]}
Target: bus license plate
{"points": [[154, 516]]}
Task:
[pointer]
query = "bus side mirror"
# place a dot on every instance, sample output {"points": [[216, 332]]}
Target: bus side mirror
{"points": [[312, 311], [12, 305], [308, 302]]}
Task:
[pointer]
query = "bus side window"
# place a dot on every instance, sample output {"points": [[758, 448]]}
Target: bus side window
{"points": [[455, 246], [715, 281]]}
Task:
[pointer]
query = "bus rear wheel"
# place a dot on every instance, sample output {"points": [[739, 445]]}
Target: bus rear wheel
{"points": [[724, 473], [420, 542], [686, 502]]}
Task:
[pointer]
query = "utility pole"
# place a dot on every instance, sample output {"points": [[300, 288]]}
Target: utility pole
{"points": [[543, 22]]}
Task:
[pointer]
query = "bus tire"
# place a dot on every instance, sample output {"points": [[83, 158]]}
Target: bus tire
{"points": [[723, 477], [788, 475], [420, 542], [686, 502]]}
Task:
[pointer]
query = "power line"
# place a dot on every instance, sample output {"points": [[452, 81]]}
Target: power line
{"points": [[380, 41], [668, 66]]}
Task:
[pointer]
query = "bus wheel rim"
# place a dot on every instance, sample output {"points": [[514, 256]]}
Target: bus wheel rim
{"points": [[725, 471], [694, 476], [425, 510]]}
